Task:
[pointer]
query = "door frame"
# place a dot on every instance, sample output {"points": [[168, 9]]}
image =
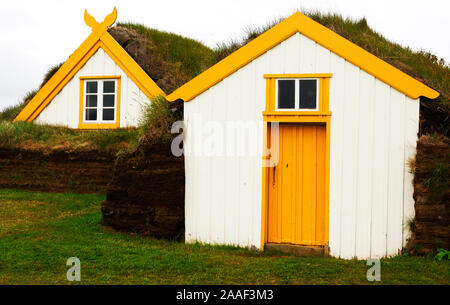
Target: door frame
{"points": [[321, 116]]}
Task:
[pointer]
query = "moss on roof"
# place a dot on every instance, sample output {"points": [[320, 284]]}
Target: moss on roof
{"points": [[189, 57], [422, 65], [172, 60], [169, 59]]}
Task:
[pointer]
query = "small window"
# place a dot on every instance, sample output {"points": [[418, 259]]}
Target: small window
{"points": [[297, 94], [308, 92], [100, 101], [91, 87], [286, 94]]}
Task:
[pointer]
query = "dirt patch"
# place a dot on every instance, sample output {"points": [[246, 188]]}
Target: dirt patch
{"points": [[432, 195], [146, 193], [56, 170], [434, 116]]}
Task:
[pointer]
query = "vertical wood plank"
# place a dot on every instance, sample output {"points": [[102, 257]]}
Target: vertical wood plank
{"points": [[195, 204], [321, 203], [275, 58], [307, 55], [189, 166], [246, 89], [231, 164], [291, 60], [396, 166], [322, 64], [309, 183], [189, 163], [337, 97], [380, 170], [218, 188], [260, 66], [350, 159], [204, 170], [365, 165]]}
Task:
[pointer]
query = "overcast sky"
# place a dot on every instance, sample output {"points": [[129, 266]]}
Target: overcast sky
{"points": [[35, 35]]}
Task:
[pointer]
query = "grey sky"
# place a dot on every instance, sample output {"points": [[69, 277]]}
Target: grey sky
{"points": [[38, 34]]}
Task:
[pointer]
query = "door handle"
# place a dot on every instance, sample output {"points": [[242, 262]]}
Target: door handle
{"points": [[273, 174]]}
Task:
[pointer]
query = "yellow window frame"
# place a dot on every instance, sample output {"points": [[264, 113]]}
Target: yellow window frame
{"points": [[116, 124], [320, 116]]}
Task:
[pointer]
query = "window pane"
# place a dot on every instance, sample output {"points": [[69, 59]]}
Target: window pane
{"points": [[91, 100], [91, 114], [286, 94], [108, 100], [108, 114], [109, 86], [308, 91], [91, 87]]}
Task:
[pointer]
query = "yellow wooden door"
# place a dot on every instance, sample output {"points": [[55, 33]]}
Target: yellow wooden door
{"points": [[297, 212]]}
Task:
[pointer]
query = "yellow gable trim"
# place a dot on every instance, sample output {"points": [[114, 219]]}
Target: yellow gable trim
{"points": [[98, 38], [130, 66], [321, 35], [302, 75]]}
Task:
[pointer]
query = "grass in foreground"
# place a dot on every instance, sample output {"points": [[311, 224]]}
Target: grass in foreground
{"points": [[39, 231]]}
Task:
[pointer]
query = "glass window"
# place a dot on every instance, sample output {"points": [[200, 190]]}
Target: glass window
{"points": [[109, 86], [91, 87], [91, 114], [108, 100], [297, 94], [91, 100], [108, 114], [100, 101], [308, 90], [286, 94]]}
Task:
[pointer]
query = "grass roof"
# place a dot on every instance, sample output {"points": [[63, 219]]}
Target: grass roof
{"points": [[169, 59], [172, 60]]}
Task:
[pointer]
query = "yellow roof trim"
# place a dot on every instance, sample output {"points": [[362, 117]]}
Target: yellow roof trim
{"points": [[300, 75], [99, 38], [321, 35]]}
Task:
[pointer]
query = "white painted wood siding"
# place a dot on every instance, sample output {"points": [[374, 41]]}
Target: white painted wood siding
{"points": [[64, 109], [373, 135]]}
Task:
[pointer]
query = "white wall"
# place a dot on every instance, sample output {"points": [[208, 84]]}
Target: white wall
{"points": [[64, 108], [373, 134]]}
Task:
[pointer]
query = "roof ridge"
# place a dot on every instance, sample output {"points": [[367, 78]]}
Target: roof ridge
{"points": [[322, 35], [99, 38]]}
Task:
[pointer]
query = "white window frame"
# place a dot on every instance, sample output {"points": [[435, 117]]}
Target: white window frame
{"points": [[100, 101], [297, 95]]}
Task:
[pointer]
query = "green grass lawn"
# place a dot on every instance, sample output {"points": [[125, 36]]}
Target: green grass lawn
{"points": [[39, 231]]}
